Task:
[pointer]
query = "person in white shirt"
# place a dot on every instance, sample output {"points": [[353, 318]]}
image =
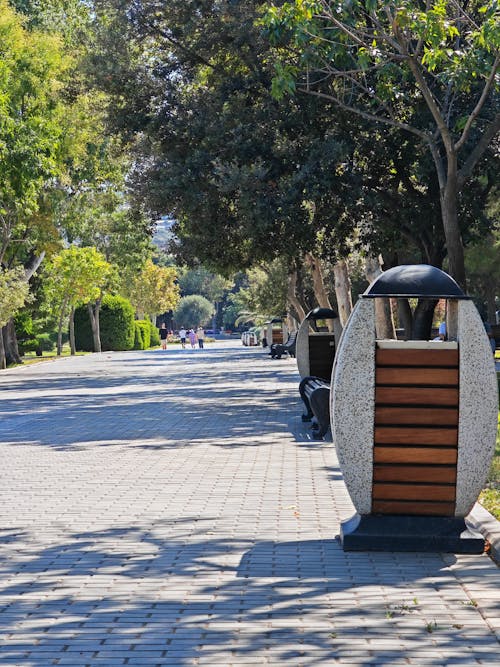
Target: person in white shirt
{"points": [[182, 336]]}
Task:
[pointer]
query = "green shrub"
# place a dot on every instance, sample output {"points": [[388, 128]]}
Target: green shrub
{"points": [[142, 340], [116, 323], [155, 336], [138, 336], [44, 343], [84, 340], [26, 340]]}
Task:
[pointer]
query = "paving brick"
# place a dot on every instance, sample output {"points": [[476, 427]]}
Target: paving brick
{"points": [[170, 509]]}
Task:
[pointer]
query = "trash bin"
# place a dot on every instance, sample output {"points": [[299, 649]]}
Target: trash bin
{"points": [[276, 331], [414, 422], [316, 343]]}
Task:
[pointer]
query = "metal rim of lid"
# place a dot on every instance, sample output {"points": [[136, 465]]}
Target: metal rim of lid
{"points": [[419, 281]]}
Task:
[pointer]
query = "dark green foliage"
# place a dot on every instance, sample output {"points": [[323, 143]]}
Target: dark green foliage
{"points": [[142, 334], [240, 165], [26, 339], [192, 311], [236, 166], [155, 336], [30, 338], [44, 343], [84, 340], [116, 324]]}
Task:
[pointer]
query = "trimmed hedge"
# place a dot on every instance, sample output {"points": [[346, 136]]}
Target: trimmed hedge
{"points": [[155, 336], [84, 341], [142, 340], [116, 323]]}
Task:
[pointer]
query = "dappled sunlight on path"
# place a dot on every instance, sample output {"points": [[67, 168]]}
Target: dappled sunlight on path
{"points": [[170, 508]]}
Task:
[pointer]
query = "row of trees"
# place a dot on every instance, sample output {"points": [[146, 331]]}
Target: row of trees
{"points": [[308, 143], [69, 232], [379, 139]]}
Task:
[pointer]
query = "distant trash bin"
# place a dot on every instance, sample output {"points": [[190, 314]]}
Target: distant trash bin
{"points": [[316, 343], [275, 331]]}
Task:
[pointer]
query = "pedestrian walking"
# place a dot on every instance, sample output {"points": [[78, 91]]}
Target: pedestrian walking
{"points": [[182, 336], [200, 334], [192, 338], [163, 336]]}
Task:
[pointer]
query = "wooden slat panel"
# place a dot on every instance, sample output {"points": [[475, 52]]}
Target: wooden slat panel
{"points": [[417, 416], [419, 376], [415, 473], [424, 455], [416, 396], [417, 357], [415, 436], [401, 507], [420, 492]]}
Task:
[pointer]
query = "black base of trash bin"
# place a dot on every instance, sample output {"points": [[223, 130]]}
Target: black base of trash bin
{"points": [[387, 532]]}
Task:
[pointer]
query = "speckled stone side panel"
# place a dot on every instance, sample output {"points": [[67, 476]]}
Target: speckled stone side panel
{"points": [[302, 349], [353, 404], [477, 423]]}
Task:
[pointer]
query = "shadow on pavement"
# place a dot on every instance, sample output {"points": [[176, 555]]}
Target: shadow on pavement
{"points": [[68, 411], [269, 587]]}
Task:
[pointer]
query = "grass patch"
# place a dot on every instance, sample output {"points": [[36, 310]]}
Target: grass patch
{"points": [[31, 357], [490, 495]]}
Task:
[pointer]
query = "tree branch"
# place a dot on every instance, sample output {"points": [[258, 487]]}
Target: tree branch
{"points": [[466, 170], [486, 90], [431, 103], [365, 114]]}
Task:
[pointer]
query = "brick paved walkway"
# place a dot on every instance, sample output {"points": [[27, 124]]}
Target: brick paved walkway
{"points": [[169, 509]]}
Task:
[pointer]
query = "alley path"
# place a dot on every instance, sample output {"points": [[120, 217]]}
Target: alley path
{"points": [[169, 508]]}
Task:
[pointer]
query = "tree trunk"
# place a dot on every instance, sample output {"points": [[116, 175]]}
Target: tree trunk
{"points": [[9, 350], [405, 318], [94, 311], [319, 288], [3, 361], [343, 290], [59, 337], [318, 283], [32, 265], [454, 244], [291, 323], [72, 331], [12, 355], [422, 319], [490, 293], [59, 328], [384, 323], [292, 297]]}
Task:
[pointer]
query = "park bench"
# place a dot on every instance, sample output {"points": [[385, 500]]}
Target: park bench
{"points": [[278, 349], [315, 394]]}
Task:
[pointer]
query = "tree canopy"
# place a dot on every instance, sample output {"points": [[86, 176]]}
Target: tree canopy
{"points": [[427, 70], [192, 311], [153, 290]]}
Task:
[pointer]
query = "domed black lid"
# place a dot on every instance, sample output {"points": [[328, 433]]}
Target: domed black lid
{"points": [[416, 281], [322, 314]]}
